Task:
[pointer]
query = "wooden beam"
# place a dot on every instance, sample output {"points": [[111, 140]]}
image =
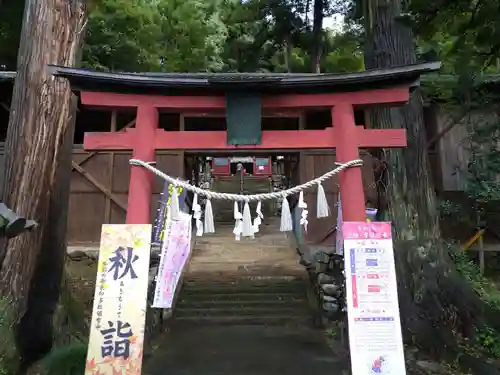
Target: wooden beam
{"points": [[396, 95], [98, 185], [272, 139], [265, 113], [109, 141], [90, 155], [380, 138]]}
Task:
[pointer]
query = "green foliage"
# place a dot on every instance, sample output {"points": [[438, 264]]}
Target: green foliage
{"points": [[214, 35], [471, 100], [477, 110], [449, 208], [9, 359], [344, 53], [11, 14], [200, 35], [171, 35], [486, 339], [192, 33], [458, 213], [489, 340], [483, 184], [484, 287], [469, 29], [121, 35], [65, 360]]}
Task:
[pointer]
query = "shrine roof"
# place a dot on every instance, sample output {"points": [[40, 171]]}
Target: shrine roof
{"points": [[197, 83]]}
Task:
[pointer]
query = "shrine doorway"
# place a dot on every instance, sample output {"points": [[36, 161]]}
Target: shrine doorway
{"points": [[243, 174]]}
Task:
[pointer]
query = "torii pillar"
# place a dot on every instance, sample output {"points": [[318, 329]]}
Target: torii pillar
{"points": [[141, 180], [350, 179], [350, 138]]}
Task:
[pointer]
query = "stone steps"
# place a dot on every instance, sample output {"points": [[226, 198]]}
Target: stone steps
{"points": [[192, 321], [257, 285], [223, 210], [266, 301], [246, 292], [241, 309], [248, 282], [219, 256], [242, 296], [229, 301]]}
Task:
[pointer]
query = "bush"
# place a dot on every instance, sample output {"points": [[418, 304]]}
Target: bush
{"points": [[484, 287], [65, 360], [9, 359], [487, 339]]}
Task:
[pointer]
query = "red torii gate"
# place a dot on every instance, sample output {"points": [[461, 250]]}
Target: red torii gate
{"points": [[344, 135]]}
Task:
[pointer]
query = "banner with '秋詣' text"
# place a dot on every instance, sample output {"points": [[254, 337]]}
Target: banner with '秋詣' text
{"points": [[119, 312]]}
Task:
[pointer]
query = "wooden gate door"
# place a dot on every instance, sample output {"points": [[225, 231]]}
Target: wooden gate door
{"points": [[99, 189]]}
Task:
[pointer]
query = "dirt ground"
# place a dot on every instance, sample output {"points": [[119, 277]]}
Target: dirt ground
{"points": [[81, 276]]}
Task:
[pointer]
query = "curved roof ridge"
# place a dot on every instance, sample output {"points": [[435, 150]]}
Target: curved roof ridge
{"points": [[85, 79]]}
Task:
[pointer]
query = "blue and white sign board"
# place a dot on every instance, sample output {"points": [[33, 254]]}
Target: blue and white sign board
{"points": [[375, 338]]}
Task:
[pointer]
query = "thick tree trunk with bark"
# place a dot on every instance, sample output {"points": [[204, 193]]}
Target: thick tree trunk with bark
{"points": [[318, 14], [437, 305], [38, 159]]}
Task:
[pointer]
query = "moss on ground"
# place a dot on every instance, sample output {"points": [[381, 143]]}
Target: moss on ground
{"points": [[72, 319]]}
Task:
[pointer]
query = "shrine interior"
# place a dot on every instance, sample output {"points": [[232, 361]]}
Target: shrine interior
{"points": [[243, 174]]}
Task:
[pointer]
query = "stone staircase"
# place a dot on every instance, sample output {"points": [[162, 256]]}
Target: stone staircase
{"points": [[246, 301], [243, 309], [223, 210], [249, 282]]}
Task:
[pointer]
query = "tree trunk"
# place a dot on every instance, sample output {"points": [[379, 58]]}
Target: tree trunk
{"points": [[306, 13], [436, 304], [318, 11], [37, 167], [288, 52]]}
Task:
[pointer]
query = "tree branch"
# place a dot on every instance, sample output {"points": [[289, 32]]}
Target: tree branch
{"points": [[451, 124], [463, 30]]}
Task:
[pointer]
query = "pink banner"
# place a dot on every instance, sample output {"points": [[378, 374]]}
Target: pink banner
{"points": [[175, 253], [362, 230]]}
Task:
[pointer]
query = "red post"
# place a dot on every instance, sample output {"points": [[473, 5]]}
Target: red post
{"points": [[141, 180], [350, 180]]}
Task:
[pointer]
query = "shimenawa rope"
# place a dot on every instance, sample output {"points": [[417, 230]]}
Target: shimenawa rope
{"points": [[247, 198], [243, 222]]}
